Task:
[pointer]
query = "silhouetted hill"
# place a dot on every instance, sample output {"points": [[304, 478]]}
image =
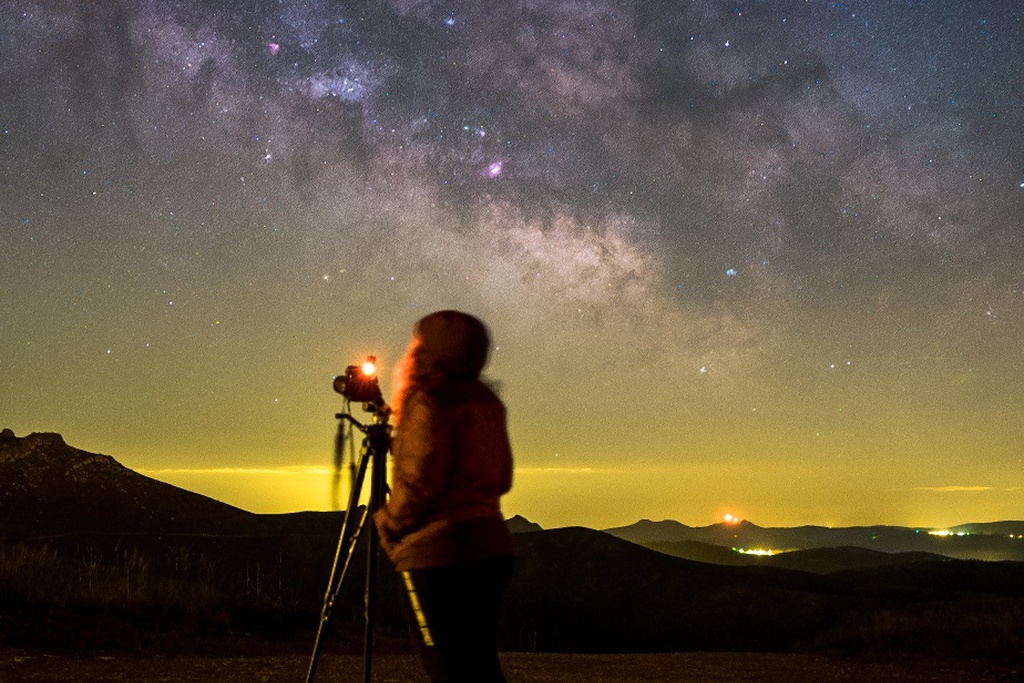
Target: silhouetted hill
{"points": [[1004, 528], [520, 525], [832, 560], [951, 579], [813, 560], [647, 531], [703, 552], [51, 488], [579, 590]]}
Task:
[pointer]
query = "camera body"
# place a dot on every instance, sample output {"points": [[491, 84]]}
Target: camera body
{"points": [[359, 383]]}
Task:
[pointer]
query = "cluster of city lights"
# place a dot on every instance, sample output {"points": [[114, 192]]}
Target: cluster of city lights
{"points": [[759, 552]]}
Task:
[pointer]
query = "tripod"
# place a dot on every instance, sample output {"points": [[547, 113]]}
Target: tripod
{"points": [[375, 451]]}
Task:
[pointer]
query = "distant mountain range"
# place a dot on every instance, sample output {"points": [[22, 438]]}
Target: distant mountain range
{"points": [[164, 559], [992, 541]]}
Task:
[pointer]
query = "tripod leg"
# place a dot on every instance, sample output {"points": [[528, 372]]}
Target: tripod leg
{"points": [[379, 444], [375, 450], [370, 603], [346, 544]]}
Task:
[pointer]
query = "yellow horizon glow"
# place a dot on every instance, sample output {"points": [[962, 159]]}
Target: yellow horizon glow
{"points": [[607, 497]]}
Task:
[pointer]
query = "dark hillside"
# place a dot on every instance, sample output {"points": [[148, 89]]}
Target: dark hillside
{"points": [[832, 560], [578, 590], [813, 560], [948, 578], [50, 488]]}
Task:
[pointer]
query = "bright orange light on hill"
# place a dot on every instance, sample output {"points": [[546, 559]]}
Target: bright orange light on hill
{"points": [[370, 366], [732, 519]]}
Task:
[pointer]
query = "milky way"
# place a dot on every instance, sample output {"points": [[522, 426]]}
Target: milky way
{"points": [[756, 257]]}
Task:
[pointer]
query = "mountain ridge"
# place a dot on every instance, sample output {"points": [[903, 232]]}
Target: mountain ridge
{"points": [[73, 477], [52, 488], [1006, 544], [165, 565]]}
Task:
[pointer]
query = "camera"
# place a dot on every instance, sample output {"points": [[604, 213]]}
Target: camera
{"points": [[359, 383]]}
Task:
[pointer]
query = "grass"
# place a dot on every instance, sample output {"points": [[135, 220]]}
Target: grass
{"points": [[83, 595], [980, 628], [173, 596]]}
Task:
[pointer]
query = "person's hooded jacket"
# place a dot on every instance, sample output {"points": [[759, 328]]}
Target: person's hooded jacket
{"points": [[451, 456]]}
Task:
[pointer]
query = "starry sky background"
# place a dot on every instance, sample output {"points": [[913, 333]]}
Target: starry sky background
{"points": [[759, 258]]}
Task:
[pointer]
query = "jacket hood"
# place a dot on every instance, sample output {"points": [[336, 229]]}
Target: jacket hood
{"points": [[452, 343]]}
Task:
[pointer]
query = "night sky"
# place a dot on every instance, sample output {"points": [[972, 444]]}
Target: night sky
{"points": [[758, 258]]}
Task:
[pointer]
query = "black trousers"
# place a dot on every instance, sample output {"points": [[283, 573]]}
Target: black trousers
{"points": [[453, 611]]}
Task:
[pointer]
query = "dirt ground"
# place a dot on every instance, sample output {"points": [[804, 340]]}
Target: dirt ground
{"points": [[17, 666]]}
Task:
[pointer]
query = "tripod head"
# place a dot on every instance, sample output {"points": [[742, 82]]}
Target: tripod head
{"points": [[360, 383]]}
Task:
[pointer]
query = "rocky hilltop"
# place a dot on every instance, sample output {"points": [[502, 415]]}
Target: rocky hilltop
{"points": [[51, 488]]}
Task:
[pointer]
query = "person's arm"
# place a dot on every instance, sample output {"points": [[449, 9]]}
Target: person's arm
{"points": [[421, 458]]}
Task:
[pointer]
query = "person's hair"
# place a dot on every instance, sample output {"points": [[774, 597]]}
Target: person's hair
{"points": [[446, 347]]}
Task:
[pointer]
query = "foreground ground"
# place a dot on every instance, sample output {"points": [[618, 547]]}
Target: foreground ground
{"points": [[19, 665]]}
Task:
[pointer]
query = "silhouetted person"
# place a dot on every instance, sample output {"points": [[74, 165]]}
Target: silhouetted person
{"points": [[442, 525]]}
